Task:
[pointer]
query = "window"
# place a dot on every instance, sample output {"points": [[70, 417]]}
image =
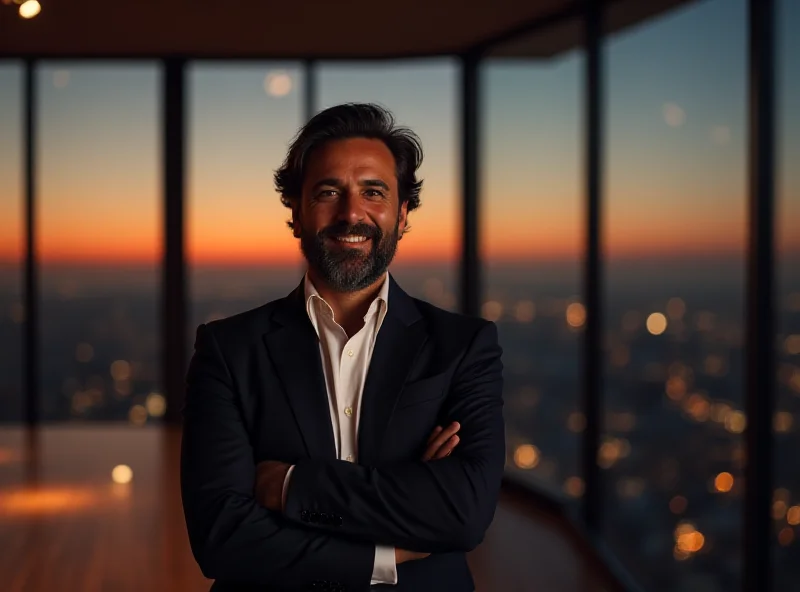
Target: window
{"points": [[99, 242], [241, 254], [12, 243], [531, 243], [674, 239], [786, 424], [422, 96]]}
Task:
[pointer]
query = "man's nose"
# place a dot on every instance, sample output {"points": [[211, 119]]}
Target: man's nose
{"points": [[351, 207]]}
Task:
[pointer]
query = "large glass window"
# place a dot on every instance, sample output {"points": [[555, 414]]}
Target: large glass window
{"points": [[241, 253], [423, 97], [531, 243], [786, 502], [99, 240], [674, 238], [12, 240]]}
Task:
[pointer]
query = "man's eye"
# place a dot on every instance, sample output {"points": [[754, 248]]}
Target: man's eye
{"points": [[374, 193], [328, 193]]}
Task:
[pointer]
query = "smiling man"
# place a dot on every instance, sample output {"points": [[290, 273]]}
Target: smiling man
{"points": [[347, 436]]}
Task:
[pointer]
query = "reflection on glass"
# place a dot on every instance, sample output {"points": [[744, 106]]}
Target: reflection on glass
{"points": [[99, 197], [422, 96], [241, 253], [531, 251], [786, 424], [11, 242], [672, 457]]}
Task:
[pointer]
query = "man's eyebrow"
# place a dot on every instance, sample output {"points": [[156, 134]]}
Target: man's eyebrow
{"points": [[334, 182], [331, 181], [374, 183]]}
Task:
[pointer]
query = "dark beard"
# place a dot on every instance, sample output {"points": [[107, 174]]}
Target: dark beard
{"points": [[350, 270]]}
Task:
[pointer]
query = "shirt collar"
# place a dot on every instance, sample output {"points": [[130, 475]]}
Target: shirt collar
{"points": [[316, 304]]}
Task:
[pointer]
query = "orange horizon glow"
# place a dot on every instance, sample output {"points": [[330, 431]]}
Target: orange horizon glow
{"points": [[631, 233]]}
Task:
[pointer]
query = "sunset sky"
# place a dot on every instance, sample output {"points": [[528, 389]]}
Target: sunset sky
{"points": [[675, 174]]}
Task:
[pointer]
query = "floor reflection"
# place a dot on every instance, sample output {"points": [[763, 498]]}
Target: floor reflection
{"points": [[93, 508]]}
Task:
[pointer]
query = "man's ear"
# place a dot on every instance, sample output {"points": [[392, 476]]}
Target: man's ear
{"points": [[402, 221], [294, 223]]}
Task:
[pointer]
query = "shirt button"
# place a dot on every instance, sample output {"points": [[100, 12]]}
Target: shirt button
{"points": [[349, 458], [348, 411], [350, 353]]}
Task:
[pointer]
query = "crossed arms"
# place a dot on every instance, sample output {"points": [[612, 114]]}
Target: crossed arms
{"points": [[438, 506]]}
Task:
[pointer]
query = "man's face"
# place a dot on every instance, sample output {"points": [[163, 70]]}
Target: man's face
{"points": [[349, 217]]}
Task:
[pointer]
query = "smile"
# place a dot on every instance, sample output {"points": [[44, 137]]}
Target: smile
{"points": [[351, 239]]}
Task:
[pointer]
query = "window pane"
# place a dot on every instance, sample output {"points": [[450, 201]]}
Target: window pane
{"points": [[422, 96], [99, 240], [675, 235], [531, 246], [241, 253], [786, 508], [12, 242]]}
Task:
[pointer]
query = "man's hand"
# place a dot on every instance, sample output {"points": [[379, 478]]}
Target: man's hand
{"points": [[401, 556], [441, 443], [270, 475]]}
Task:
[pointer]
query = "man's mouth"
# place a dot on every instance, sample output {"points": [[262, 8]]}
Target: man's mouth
{"points": [[352, 239]]}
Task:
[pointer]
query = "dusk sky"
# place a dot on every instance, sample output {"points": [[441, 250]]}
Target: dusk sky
{"points": [[675, 136]]}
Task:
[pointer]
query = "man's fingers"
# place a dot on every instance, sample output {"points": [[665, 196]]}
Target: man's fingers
{"points": [[448, 447], [436, 431], [444, 436], [439, 438]]}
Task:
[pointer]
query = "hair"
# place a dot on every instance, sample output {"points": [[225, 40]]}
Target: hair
{"points": [[353, 120]]}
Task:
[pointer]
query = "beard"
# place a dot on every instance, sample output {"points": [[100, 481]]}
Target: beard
{"points": [[345, 269]]}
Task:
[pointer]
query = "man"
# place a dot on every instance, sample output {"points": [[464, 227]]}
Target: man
{"points": [[347, 436]]}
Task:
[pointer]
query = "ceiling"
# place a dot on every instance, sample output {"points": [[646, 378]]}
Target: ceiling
{"points": [[299, 28]]}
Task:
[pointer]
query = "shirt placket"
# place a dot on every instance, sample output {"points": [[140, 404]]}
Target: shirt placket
{"points": [[348, 369]]}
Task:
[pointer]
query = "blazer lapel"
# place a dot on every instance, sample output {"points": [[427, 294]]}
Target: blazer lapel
{"points": [[399, 340], [294, 349]]}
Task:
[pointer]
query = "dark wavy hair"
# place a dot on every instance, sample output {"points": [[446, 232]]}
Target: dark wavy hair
{"points": [[353, 120]]}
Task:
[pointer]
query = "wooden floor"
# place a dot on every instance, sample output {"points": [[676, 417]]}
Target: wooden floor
{"points": [[66, 526]]}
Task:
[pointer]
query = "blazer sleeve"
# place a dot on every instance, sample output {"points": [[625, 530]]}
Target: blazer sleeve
{"points": [[231, 536], [437, 506]]}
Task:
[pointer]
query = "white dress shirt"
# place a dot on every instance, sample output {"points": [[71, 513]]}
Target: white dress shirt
{"points": [[345, 361]]}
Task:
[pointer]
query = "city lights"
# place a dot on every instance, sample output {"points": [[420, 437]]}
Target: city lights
{"points": [[574, 486], [656, 323], [526, 456], [120, 370], [793, 516], [576, 315], [723, 482], [29, 9], [121, 474], [156, 404]]}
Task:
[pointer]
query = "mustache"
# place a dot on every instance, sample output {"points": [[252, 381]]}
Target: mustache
{"points": [[345, 229]]}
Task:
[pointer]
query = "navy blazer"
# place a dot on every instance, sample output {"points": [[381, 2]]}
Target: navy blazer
{"points": [[256, 391]]}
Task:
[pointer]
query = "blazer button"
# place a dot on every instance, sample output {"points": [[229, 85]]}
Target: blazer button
{"points": [[337, 520], [323, 518], [304, 515], [314, 517]]}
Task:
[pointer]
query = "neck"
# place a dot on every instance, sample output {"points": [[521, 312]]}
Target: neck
{"points": [[349, 308]]}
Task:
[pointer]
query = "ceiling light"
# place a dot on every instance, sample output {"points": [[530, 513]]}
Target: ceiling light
{"points": [[29, 9]]}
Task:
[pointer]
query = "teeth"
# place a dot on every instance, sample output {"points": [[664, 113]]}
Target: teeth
{"points": [[351, 239]]}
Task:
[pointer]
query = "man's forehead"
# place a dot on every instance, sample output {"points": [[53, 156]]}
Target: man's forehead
{"points": [[360, 164]]}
